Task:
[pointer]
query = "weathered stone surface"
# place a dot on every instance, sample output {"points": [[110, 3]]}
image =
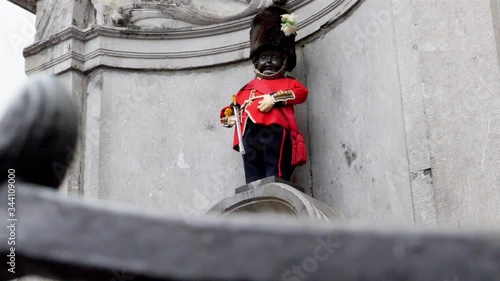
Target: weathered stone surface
{"points": [[154, 140], [358, 155], [495, 10], [73, 182], [76, 240], [449, 70], [442, 64], [54, 16], [416, 127], [177, 13]]}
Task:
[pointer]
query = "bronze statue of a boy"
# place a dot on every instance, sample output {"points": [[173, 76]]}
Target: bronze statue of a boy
{"points": [[266, 131]]}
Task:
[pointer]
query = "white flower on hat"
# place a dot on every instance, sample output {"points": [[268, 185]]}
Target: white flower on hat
{"points": [[289, 23]]}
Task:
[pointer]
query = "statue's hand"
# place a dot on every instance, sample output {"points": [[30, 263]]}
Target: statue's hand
{"points": [[228, 121], [266, 104]]}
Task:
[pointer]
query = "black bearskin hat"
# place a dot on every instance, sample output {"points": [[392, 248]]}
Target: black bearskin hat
{"points": [[266, 34]]}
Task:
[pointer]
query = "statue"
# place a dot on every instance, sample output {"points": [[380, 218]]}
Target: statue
{"points": [[266, 132]]}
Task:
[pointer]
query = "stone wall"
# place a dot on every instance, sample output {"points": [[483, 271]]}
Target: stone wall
{"points": [[402, 118], [359, 156], [403, 112], [450, 80]]}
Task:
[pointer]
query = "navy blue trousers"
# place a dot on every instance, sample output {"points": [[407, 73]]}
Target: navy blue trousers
{"points": [[268, 152]]}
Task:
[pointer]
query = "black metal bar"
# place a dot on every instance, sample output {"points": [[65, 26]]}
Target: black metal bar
{"points": [[73, 239]]}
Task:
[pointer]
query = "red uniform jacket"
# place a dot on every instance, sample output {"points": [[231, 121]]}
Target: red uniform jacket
{"points": [[292, 92]]}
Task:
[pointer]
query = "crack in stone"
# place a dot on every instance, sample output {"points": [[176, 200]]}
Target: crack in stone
{"points": [[424, 172], [485, 144]]}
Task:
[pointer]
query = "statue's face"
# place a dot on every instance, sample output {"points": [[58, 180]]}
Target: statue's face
{"points": [[269, 62]]}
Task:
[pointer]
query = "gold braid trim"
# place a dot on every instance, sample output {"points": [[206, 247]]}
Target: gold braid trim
{"points": [[283, 95]]}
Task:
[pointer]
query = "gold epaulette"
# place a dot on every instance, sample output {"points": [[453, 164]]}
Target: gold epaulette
{"points": [[283, 95]]}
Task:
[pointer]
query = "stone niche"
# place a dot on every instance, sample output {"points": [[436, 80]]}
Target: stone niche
{"points": [[125, 61]]}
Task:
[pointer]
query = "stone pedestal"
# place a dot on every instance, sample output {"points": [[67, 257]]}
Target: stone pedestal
{"points": [[273, 196]]}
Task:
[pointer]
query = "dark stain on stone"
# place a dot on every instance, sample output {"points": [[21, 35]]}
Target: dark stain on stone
{"points": [[97, 82], [350, 156], [428, 172], [209, 126]]}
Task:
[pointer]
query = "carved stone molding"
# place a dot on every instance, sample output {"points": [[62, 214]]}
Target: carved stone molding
{"points": [[166, 48], [169, 13]]}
